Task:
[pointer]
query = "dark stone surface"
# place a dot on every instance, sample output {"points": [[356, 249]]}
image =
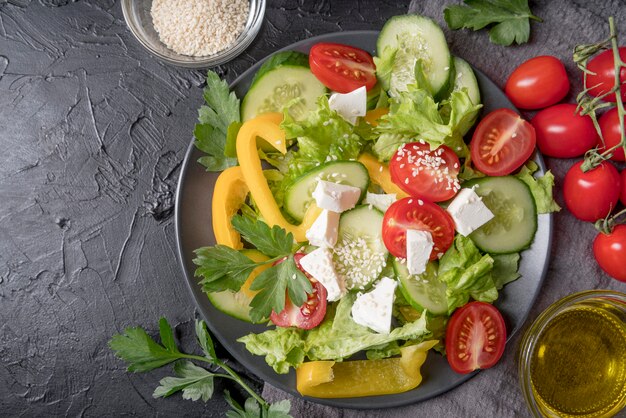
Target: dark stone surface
{"points": [[93, 130]]}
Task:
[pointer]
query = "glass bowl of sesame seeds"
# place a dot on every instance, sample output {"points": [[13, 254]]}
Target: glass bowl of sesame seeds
{"points": [[194, 33]]}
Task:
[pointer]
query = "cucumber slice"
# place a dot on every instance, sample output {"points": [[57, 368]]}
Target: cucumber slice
{"points": [[425, 291], [237, 304], [283, 78], [416, 38], [298, 195], [360, 254], [515, 215], [465, 78]]}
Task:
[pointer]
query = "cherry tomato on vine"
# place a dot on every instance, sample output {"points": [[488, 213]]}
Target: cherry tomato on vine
{"points": [[603, 78], [422, 215], [342, 68], [537, 83], [564, 133], [611, 133], [311, 313], [610, 252], [475, 337], [422, 172], [592, 195], [502, 142], [622, 195]]}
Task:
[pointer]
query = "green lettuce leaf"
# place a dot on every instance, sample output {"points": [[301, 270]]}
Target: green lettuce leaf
{"points": [[282, 347], [337, 338], [384, 66], [540, 187], [322, 136], [414, 114], [467, 274], [505, 268]]}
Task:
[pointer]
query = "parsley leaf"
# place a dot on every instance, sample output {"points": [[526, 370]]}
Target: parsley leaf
{"points": [[221, 109], [205, 341], [251, 409], [509, 17], [222, 268], [272, 242], [141, 352], [194, 381], [272, 285]]}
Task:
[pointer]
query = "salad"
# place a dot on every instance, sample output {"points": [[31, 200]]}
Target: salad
{"points": [[351, 215]]}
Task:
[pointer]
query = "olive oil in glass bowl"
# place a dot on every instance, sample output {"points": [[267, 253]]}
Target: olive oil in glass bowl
{"points": [[572, 359]]}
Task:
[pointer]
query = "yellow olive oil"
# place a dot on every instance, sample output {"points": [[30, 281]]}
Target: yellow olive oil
{"points": [[578, 366]]}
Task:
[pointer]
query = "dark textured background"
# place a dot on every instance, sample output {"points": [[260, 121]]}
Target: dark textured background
{"points": [[93, 131]]}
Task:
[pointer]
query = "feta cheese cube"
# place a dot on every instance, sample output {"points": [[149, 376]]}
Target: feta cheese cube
{"points": [[335, 197], [380, 201], [319, 264], [468, 212], [373, 309], [323, 232], [349, 105], [419, 245]]}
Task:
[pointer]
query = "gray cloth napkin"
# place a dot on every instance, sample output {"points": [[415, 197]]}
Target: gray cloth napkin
{"points": [[495, 392]]}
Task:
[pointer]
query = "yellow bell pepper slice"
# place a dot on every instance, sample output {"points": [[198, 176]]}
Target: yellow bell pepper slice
{"points": [[358, 378], [379, 174], [228, 195], [250, 164], [373, 115]]}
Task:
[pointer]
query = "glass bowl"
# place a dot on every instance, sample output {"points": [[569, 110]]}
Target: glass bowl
{"points": [[583, 335], [139, 20]]}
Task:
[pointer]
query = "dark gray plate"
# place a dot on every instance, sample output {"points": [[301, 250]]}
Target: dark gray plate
{"points": [[193, 230]]}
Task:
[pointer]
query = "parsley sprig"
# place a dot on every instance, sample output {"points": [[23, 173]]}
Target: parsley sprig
{"points": [[223, 268], [217, 119], [143, 354], [510, 19]]}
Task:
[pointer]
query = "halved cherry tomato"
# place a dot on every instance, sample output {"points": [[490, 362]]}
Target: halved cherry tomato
{"points": [[421, 215], [592, 195], [622, 195], [564, 133], [502, 143], [424, 173], [342, 68], [475, 337], [603, 78], [537, 83], [610, 252], [310, 314], [611, 133]]}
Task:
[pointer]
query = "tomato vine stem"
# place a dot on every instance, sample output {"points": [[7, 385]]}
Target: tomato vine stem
{"points": [[590, 105]]}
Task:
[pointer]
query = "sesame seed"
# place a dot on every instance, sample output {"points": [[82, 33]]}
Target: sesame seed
{"points": [[199, 27]]}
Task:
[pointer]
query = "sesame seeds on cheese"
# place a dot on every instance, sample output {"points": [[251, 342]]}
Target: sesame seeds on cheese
{"points": [[199, 27]]}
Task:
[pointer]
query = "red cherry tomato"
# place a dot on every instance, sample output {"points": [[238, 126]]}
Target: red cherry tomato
{"points": [[502, 143], [564, 133], [611, 133], [592, 195], [342, 68], [475, 337], [421, 215], [424, 173], [603, 78], [610, 252], [311, 313], [537, 83], [622, 195]]}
